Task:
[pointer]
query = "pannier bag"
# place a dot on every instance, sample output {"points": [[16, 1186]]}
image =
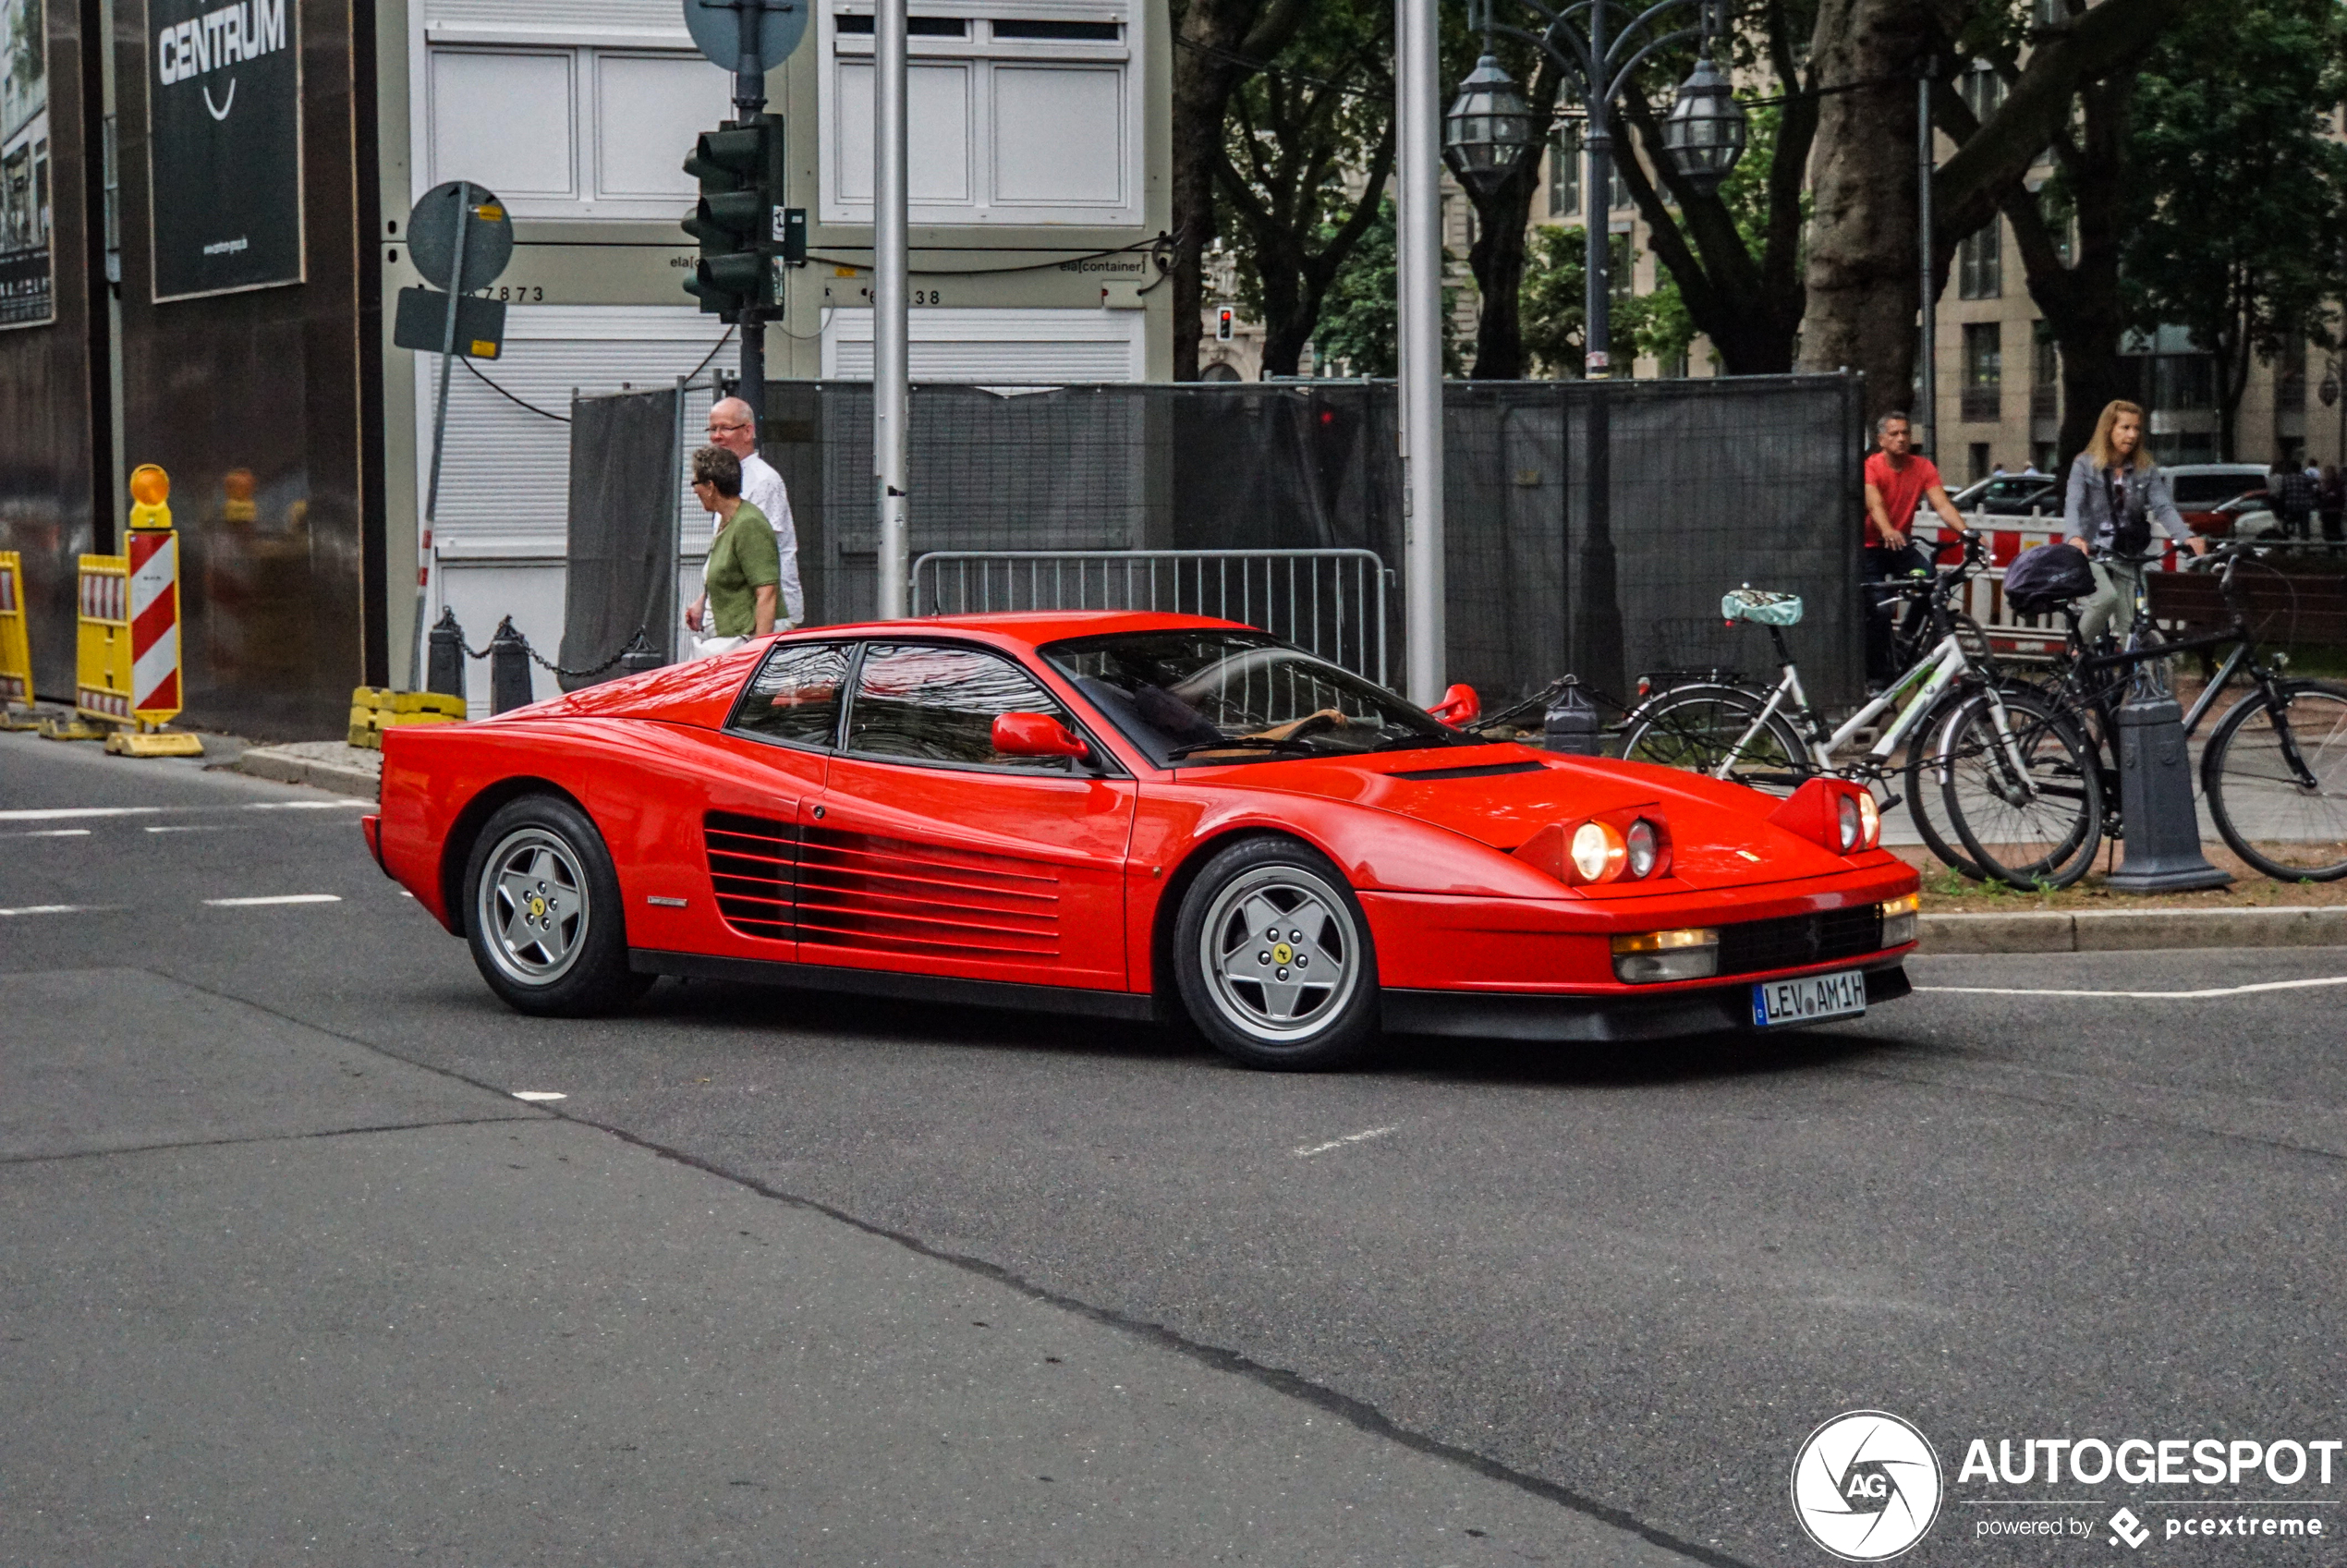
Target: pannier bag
{"points": [[2049, 575]]}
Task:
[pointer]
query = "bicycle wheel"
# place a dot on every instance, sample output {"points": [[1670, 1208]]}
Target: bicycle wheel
{"points": [[2289, 825], [2024, 793], [1924, 775], [1701, 727]]}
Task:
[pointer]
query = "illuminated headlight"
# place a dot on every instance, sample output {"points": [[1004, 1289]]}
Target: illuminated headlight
{"points": [[1899, 920], [1597, 851], [1869, 821], [1645, 848], [1690, 953], [1850, 827]]}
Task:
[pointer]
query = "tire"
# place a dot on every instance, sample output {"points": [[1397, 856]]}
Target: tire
{"points": [[1266, 919], [1927, 804], [2267, 818], [567, 958], [2039, 830], [1696, 727]]}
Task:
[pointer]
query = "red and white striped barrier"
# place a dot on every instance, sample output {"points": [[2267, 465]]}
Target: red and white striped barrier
{"points": [[154, 626]]}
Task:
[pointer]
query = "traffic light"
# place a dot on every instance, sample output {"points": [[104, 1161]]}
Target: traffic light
{"points": [[1223, 319], [740, 170]]}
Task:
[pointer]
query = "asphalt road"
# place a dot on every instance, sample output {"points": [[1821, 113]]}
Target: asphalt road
{"points": [[1469, 1304]]}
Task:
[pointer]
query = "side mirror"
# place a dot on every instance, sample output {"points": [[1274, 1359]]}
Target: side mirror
{"points": [[1035, 735], [1458, 705]]}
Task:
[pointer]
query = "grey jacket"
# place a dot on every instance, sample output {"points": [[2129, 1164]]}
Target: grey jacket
{"points": [[2087, 508]]}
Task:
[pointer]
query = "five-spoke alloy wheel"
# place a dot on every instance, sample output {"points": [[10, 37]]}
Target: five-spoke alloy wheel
{"points": [[542, 912], [1273, 959]]}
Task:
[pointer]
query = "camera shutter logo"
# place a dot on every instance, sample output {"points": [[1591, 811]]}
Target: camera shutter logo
{"points": [[1866, 1486]]}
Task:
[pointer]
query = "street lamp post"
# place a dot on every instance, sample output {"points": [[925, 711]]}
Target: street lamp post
{"points": [[1489, 136]]}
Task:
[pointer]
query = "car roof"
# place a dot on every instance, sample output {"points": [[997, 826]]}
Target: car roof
{"points": [[1031, 628], [2254, 469]]}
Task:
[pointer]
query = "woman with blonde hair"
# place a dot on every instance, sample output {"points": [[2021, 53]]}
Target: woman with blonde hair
{"points": [[2116, 492]]}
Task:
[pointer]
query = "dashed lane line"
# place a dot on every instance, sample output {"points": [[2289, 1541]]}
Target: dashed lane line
{"points": [[57, 909], [2143, 995], [51, 832], [274, 898], [1310, 1150], [74, 813]]}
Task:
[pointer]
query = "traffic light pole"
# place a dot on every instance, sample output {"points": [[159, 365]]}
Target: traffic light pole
{"points": [[892, 393], [749, 103]]}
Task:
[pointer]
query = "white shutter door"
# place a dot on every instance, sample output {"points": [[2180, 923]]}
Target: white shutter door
{"points": [[505, 480], [997, 347]]}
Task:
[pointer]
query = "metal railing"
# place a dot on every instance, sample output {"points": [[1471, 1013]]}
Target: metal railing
{"points": [[1328, 601]]}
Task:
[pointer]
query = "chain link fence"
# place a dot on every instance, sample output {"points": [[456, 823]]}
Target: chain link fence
{"points": [[1712, 483]]}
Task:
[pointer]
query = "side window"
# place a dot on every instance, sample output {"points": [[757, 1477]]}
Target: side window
{"points": [[795, 696], [931, 704]]}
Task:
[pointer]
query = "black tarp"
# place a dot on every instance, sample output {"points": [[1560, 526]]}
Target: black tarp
{"points": [[625, 467]]}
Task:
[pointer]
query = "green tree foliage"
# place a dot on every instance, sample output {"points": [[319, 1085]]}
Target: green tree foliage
{"points": [[2241, 191], [1356, 335], [1555, 306], [1308, 146]]}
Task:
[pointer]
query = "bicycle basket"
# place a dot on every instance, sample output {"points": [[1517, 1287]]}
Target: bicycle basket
{"points": [[2049, 576], [1760, 605]]}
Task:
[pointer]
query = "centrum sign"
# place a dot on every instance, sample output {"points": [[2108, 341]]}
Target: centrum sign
{"points": [[223, 146]]}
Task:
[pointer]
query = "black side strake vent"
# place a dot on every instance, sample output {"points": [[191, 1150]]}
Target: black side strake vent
{"points": [[753, 866]]}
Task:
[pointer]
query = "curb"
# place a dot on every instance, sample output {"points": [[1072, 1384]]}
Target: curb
{"points": [[287, 765], [2123, 930]]}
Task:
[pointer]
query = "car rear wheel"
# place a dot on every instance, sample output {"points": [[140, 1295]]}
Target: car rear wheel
{"points": [[1273, 960], [542, 912]]}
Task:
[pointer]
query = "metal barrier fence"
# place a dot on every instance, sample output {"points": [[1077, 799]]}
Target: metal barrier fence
{"points": [[1331, 602]]}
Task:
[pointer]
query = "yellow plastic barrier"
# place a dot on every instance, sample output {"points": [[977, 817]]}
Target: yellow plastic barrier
{"points": [[16, 648], [102, 684]]}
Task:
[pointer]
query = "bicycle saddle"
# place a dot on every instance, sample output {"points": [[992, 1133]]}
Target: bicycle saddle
{"points": [[1761, 607]]}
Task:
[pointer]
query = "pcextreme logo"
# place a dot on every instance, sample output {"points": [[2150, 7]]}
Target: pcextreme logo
{"points": [[1866, 1486]]}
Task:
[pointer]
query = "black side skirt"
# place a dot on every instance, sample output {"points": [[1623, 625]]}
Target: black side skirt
{"points": [[900, 987], [1596, 1019]]}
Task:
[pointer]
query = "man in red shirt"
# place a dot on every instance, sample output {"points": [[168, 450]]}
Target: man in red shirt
{"points": [[1899, 481]]}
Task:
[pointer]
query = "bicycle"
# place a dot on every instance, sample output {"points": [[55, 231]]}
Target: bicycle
{"points": [[1772, 738], [2274, 772]]}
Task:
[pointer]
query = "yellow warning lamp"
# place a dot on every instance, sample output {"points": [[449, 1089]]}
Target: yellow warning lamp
{"points": [[150, 487]]}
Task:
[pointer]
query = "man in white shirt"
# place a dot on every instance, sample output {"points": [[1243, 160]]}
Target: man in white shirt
{"points": [[731, 427]]}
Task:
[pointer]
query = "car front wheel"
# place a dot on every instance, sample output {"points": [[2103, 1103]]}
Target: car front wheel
{"points": [[542, 912], [1272, 958]]}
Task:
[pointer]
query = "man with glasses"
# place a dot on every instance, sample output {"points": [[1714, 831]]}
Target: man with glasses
{"points": [[730, 426]]}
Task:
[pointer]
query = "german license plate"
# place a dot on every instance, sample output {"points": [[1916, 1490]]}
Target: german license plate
{"points": [[1808, 998]]}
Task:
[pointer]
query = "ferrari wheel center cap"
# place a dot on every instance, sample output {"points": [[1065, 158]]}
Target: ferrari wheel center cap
{"points": [[538, 907], [1282, 953]]}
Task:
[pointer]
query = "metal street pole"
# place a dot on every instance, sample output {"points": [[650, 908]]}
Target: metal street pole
{"points": [[439, 422], [1418, 107], [892, 397], [1593, 648], [1925, 423], [750, 102]]}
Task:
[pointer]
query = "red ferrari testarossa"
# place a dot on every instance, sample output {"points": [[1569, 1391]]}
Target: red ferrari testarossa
{"points": [[1142, 816]]}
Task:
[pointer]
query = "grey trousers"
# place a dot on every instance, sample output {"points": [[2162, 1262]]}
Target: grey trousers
{"points": [[2112, 604]]}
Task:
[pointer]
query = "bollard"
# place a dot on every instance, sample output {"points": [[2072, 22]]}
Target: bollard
{"points": [[640, 657], [2162, 836], [1570, 724], [152, 575], [508, 669], [446, 671]]}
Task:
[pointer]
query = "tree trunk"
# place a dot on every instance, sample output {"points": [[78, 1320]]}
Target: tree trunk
{"points": [[1862, 288], [1213, 43], [1497, 259]]}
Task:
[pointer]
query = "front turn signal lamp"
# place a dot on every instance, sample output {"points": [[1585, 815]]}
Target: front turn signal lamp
{"points": [[1898, 919], [1691, 952]]}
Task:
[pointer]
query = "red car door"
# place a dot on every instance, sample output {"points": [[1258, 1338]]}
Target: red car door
{"points": [[931, 853]]}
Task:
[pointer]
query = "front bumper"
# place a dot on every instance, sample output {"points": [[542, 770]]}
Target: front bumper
{"points": [[1599, 1019]]}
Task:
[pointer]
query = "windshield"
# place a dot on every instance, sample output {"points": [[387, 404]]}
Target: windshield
{"points": [[2208, 490], [1213, 698]]}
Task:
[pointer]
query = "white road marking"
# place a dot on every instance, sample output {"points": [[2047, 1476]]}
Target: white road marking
{"points": [[59, 909], [306, 805], [184, 828], [2144, 995], [1339, 1143], [63, 813], [275, 898], [538, 1094], [51, 832]]}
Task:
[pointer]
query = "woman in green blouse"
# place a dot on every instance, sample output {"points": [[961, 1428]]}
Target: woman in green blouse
{"points": [[745, 570]]}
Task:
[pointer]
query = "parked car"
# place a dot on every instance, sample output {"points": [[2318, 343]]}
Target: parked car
{"points": [[1137, 815], [2222, 500], [2011, 495]]}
